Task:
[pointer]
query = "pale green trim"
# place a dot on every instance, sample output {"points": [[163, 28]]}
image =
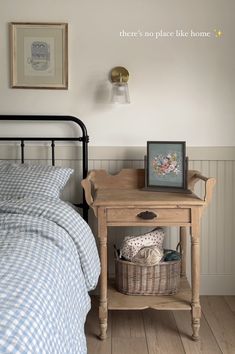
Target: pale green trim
{"points": [[10, 151]]}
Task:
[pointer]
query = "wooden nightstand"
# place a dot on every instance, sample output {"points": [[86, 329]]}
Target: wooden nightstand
{"points": [[119, 200]]}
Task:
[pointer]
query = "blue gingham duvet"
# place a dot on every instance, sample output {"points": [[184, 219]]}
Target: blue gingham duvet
{"points": [[48, 263]]}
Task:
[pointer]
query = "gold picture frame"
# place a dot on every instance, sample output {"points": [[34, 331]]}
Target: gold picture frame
{"points": [[39, 55]]}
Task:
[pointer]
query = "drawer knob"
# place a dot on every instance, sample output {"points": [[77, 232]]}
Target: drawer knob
{"points": [[147, 215]]}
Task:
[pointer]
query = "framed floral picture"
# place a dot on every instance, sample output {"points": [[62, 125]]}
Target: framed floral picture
{"points": [[166, 167], [39, 55]]}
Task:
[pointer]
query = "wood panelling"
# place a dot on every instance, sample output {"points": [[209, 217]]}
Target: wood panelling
{"points": [[218, 223]]}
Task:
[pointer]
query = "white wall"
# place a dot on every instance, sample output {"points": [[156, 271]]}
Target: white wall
{"points": [[181, 88]]}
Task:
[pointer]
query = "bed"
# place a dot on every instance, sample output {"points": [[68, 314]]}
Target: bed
{"points": [[48, 256]]}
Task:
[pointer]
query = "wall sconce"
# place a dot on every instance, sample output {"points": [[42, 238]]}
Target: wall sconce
{"points": [[120, 91]]}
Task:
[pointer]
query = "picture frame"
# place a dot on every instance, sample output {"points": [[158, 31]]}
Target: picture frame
{"points": [[166, 166], [39, 55]]}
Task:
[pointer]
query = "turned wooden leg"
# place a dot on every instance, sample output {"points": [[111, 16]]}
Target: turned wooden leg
{"points": [[103, 307], [196, 328], [183, 246], [103, 318], [195, 272]]}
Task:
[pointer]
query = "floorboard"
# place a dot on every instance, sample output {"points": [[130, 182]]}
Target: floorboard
{"points": [[165, 332], [128, 334], [231, 302], [221, 321], [207, 343], [161, 332]]}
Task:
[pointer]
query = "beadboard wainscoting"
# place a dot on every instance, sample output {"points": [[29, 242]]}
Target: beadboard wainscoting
{"points": [[218, 221]]}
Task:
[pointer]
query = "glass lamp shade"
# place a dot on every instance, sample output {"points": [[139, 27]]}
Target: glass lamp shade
{"points": [[120, 93]]}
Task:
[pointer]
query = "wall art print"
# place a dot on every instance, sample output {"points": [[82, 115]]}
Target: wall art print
{"points": [[166, 165], [39, 55]]}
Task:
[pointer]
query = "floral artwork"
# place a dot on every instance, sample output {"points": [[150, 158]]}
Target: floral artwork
{"points": [[165, 164], [166, 167]]}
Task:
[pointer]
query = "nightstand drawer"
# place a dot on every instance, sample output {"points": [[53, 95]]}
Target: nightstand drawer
{"points": [[148, 215]]}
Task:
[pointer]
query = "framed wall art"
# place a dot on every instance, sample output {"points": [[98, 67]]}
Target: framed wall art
{"points": [[166, 166], [39, 55]]}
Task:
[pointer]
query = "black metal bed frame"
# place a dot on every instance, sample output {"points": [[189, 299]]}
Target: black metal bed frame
{"points": [[84, 139]]}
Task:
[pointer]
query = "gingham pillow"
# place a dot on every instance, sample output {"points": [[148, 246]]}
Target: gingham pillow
{"points": [[23, 180]]}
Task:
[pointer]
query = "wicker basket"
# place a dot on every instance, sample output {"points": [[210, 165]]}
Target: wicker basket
{"points": [[137, 279]]}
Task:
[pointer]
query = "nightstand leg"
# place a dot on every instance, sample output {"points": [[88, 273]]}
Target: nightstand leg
{"points": [[195, 272], [183, 246], [103, 308], [103, 317]]}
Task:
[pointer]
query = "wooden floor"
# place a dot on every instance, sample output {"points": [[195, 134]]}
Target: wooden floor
{"points": [[151, 332]]}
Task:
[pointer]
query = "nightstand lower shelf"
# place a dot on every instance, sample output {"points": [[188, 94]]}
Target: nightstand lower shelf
{"points": [[179, 301]]}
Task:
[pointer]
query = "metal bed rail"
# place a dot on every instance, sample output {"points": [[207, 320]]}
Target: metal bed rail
{"points": [[84, 139]]}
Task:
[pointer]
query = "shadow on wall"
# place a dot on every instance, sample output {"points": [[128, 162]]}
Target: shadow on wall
{"points": [[102, 93]]}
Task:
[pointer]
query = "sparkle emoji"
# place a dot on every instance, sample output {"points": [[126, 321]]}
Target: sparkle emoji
{"points": [[218, 33]]}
